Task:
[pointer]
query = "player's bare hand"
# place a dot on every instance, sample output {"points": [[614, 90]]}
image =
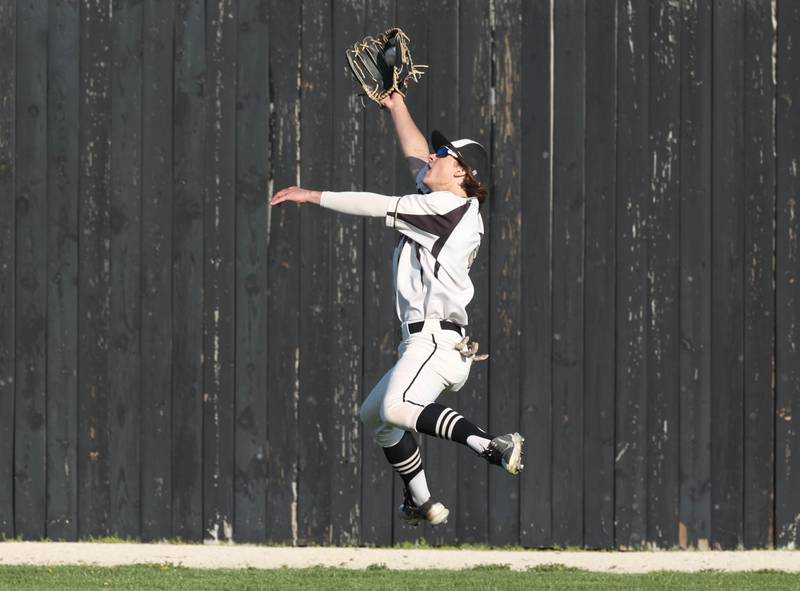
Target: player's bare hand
{"points": [[391, 101], [469, 351], [297, 195]]}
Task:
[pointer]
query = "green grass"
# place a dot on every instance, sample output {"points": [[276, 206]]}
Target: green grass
{"points": [[24, 578]]}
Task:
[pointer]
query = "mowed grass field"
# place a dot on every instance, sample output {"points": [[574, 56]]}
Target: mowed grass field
{"points": [[24, 578]]}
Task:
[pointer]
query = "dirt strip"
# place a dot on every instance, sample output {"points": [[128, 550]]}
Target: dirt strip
{"points": [[243, 556]]}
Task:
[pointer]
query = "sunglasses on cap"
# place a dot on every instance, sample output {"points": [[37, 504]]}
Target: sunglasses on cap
{"points": [[444, 152]]}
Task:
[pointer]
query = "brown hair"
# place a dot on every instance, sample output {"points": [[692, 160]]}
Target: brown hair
{"points": [[473, 188]]}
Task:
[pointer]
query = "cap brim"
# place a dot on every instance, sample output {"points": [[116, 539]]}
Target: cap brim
{"points": [[438, 140]]}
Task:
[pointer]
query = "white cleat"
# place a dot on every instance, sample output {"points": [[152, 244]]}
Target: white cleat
{"points": [[506, 451]]}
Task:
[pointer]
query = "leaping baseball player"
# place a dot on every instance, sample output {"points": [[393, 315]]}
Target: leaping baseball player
{"points": [[440, 229]]}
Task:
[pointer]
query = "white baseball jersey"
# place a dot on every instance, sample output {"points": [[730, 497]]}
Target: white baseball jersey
{"points": [[440, 237]]}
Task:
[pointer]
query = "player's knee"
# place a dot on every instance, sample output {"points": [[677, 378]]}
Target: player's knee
{"points": [[396, 414]]}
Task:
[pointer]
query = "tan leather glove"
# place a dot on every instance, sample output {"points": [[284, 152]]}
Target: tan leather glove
{"points": [[469, 351]]}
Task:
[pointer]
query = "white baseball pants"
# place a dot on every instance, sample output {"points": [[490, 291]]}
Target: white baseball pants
{"points": [[428, 365]]}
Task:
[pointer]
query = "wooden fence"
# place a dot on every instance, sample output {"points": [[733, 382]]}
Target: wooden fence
{"points": [[179, 360]]}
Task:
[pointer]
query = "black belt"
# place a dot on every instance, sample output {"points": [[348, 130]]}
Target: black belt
{"points": [[445, 324]]}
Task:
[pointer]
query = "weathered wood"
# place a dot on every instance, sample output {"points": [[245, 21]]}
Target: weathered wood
{"points": [[8, 70], [380, 318], [219, 272], [569, 129], [156, 271], [94, 299], [283, 273], [759, 300], [252, 316], [727, 277], [316, 443], [441, 457], [189, 137], [694, 518], [472, 401], [62, 270], [663, 280], [30, 193], [125, 322], [787, 240], [633, 180], [599, 307], [505, 264], [412, 16]]}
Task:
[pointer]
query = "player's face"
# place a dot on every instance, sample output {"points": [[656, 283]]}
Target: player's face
{"points": [[444, 170]]}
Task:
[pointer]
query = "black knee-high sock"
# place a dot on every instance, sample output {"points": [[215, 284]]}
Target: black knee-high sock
{"points": [[405, 458], [445, 423]]}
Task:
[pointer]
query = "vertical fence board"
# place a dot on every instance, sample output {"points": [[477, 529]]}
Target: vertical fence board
{"points": [[441, 457], [536, 282], [380, 318], [662, 277], [506, 302], [190, 92], [125, 332], [694, 518], [8, 70], [31, 266], [94, 468], [346, 277], [475, 122], [62, 270], [252, 226], [599, 306], [569, 129], [316, 141], [283, 273], [156, 271], [759, 303], [787, 434], [727, 305], [633, 164], [412, 18], [219, 273]]}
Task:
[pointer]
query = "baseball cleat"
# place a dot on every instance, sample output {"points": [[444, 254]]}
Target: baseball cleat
{"points": [[430, 511], [506, 451]]}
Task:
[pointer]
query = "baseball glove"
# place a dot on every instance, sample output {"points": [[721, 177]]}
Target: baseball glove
{"points": [[470, 350], [382, 64]]}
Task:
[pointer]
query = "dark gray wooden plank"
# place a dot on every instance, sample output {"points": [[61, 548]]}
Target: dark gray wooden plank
{"points": [[536, 338], [727, 279], [600, 271], [380, 318], [125, 328], [759, 297], [633, 183], [347, 284], [569, 128], [252, 320], [412, 17], [219, 274], [156, 271], [94, 468], [694, 519], [787, 433], [283, 278], [189, 137], [316, 446], [8, 74], [475, 122], [505, 266], [62, 269], [30, 485], [663, 319], [441, 457]]}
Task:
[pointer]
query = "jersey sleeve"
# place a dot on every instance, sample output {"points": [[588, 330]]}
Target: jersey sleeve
{"points": [[427, 219]]}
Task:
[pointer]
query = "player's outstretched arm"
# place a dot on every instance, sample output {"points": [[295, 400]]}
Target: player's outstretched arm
{"points": [[351, 202], [297, 195], [412, 141]]}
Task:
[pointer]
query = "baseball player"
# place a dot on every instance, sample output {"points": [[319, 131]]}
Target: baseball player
{"points": [[440, 230]]}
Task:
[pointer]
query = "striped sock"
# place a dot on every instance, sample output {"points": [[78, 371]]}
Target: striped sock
{"points": [[445, 423], [405, 458]]}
